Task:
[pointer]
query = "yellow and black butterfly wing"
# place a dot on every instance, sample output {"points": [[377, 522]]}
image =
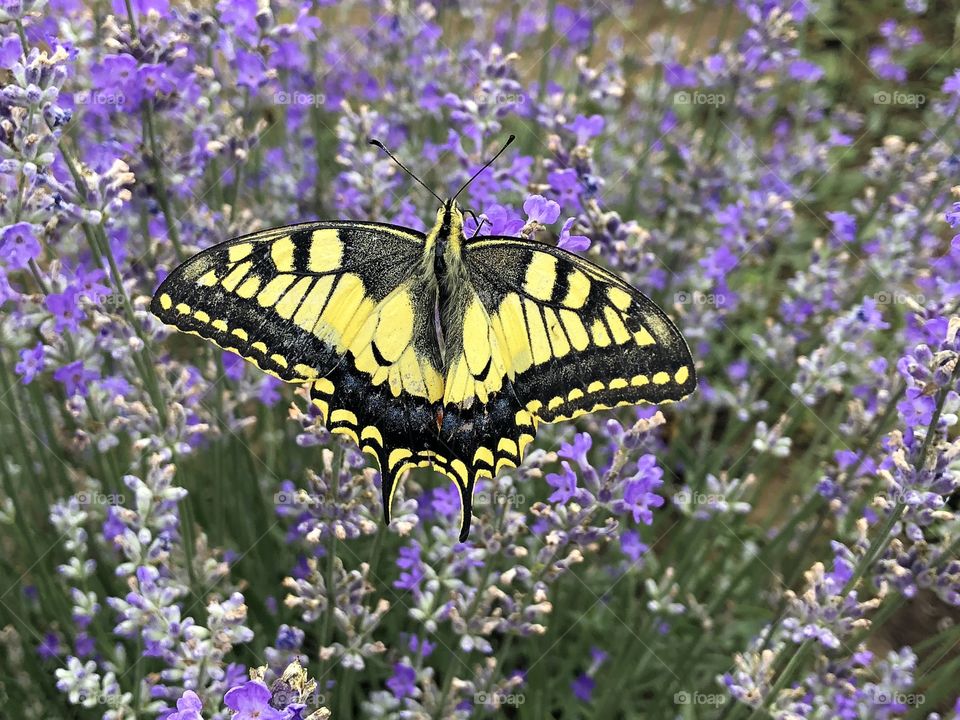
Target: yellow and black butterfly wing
{"points": [[548, 336], [574, 337], [339, 305]]}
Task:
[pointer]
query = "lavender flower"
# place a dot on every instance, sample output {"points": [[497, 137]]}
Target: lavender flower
{"points": [[170, 515], [251, 701], [19, 244], [188, 707]]}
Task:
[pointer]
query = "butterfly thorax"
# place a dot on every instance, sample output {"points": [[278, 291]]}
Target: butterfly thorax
{"points": [[446, 271]]}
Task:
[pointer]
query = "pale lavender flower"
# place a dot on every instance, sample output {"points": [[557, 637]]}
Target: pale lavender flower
{"points": [[188, 707], [31, 363], [573, 243], [540, 210], [19, 245], [251, 701]]}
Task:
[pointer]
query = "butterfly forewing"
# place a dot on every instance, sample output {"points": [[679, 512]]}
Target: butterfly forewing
{"points": [[573, 337]]}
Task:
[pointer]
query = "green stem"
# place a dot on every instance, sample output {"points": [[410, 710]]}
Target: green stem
{"points": [[795, 663], [131, 16], [162, 196], [548, 41], [24, 44]]}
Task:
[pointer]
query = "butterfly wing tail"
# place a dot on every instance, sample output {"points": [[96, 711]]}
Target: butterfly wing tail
{"points": [[388, 485], [466, 508]]}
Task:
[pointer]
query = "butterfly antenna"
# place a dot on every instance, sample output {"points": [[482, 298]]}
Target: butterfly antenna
{"points": [[374, 141], [486, 165], [478, 221]]}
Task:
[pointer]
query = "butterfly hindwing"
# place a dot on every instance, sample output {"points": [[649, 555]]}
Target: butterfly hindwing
{"points": [[483, 418], [486, 437]]}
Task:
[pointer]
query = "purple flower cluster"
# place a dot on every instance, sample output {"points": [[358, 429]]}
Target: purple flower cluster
{"points": [[184, 540]]}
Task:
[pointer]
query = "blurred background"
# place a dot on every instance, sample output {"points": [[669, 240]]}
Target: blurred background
{"points": [[181, 538]]}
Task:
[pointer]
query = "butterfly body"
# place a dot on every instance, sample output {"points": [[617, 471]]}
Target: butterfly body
{"points": [[431, 350]]}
